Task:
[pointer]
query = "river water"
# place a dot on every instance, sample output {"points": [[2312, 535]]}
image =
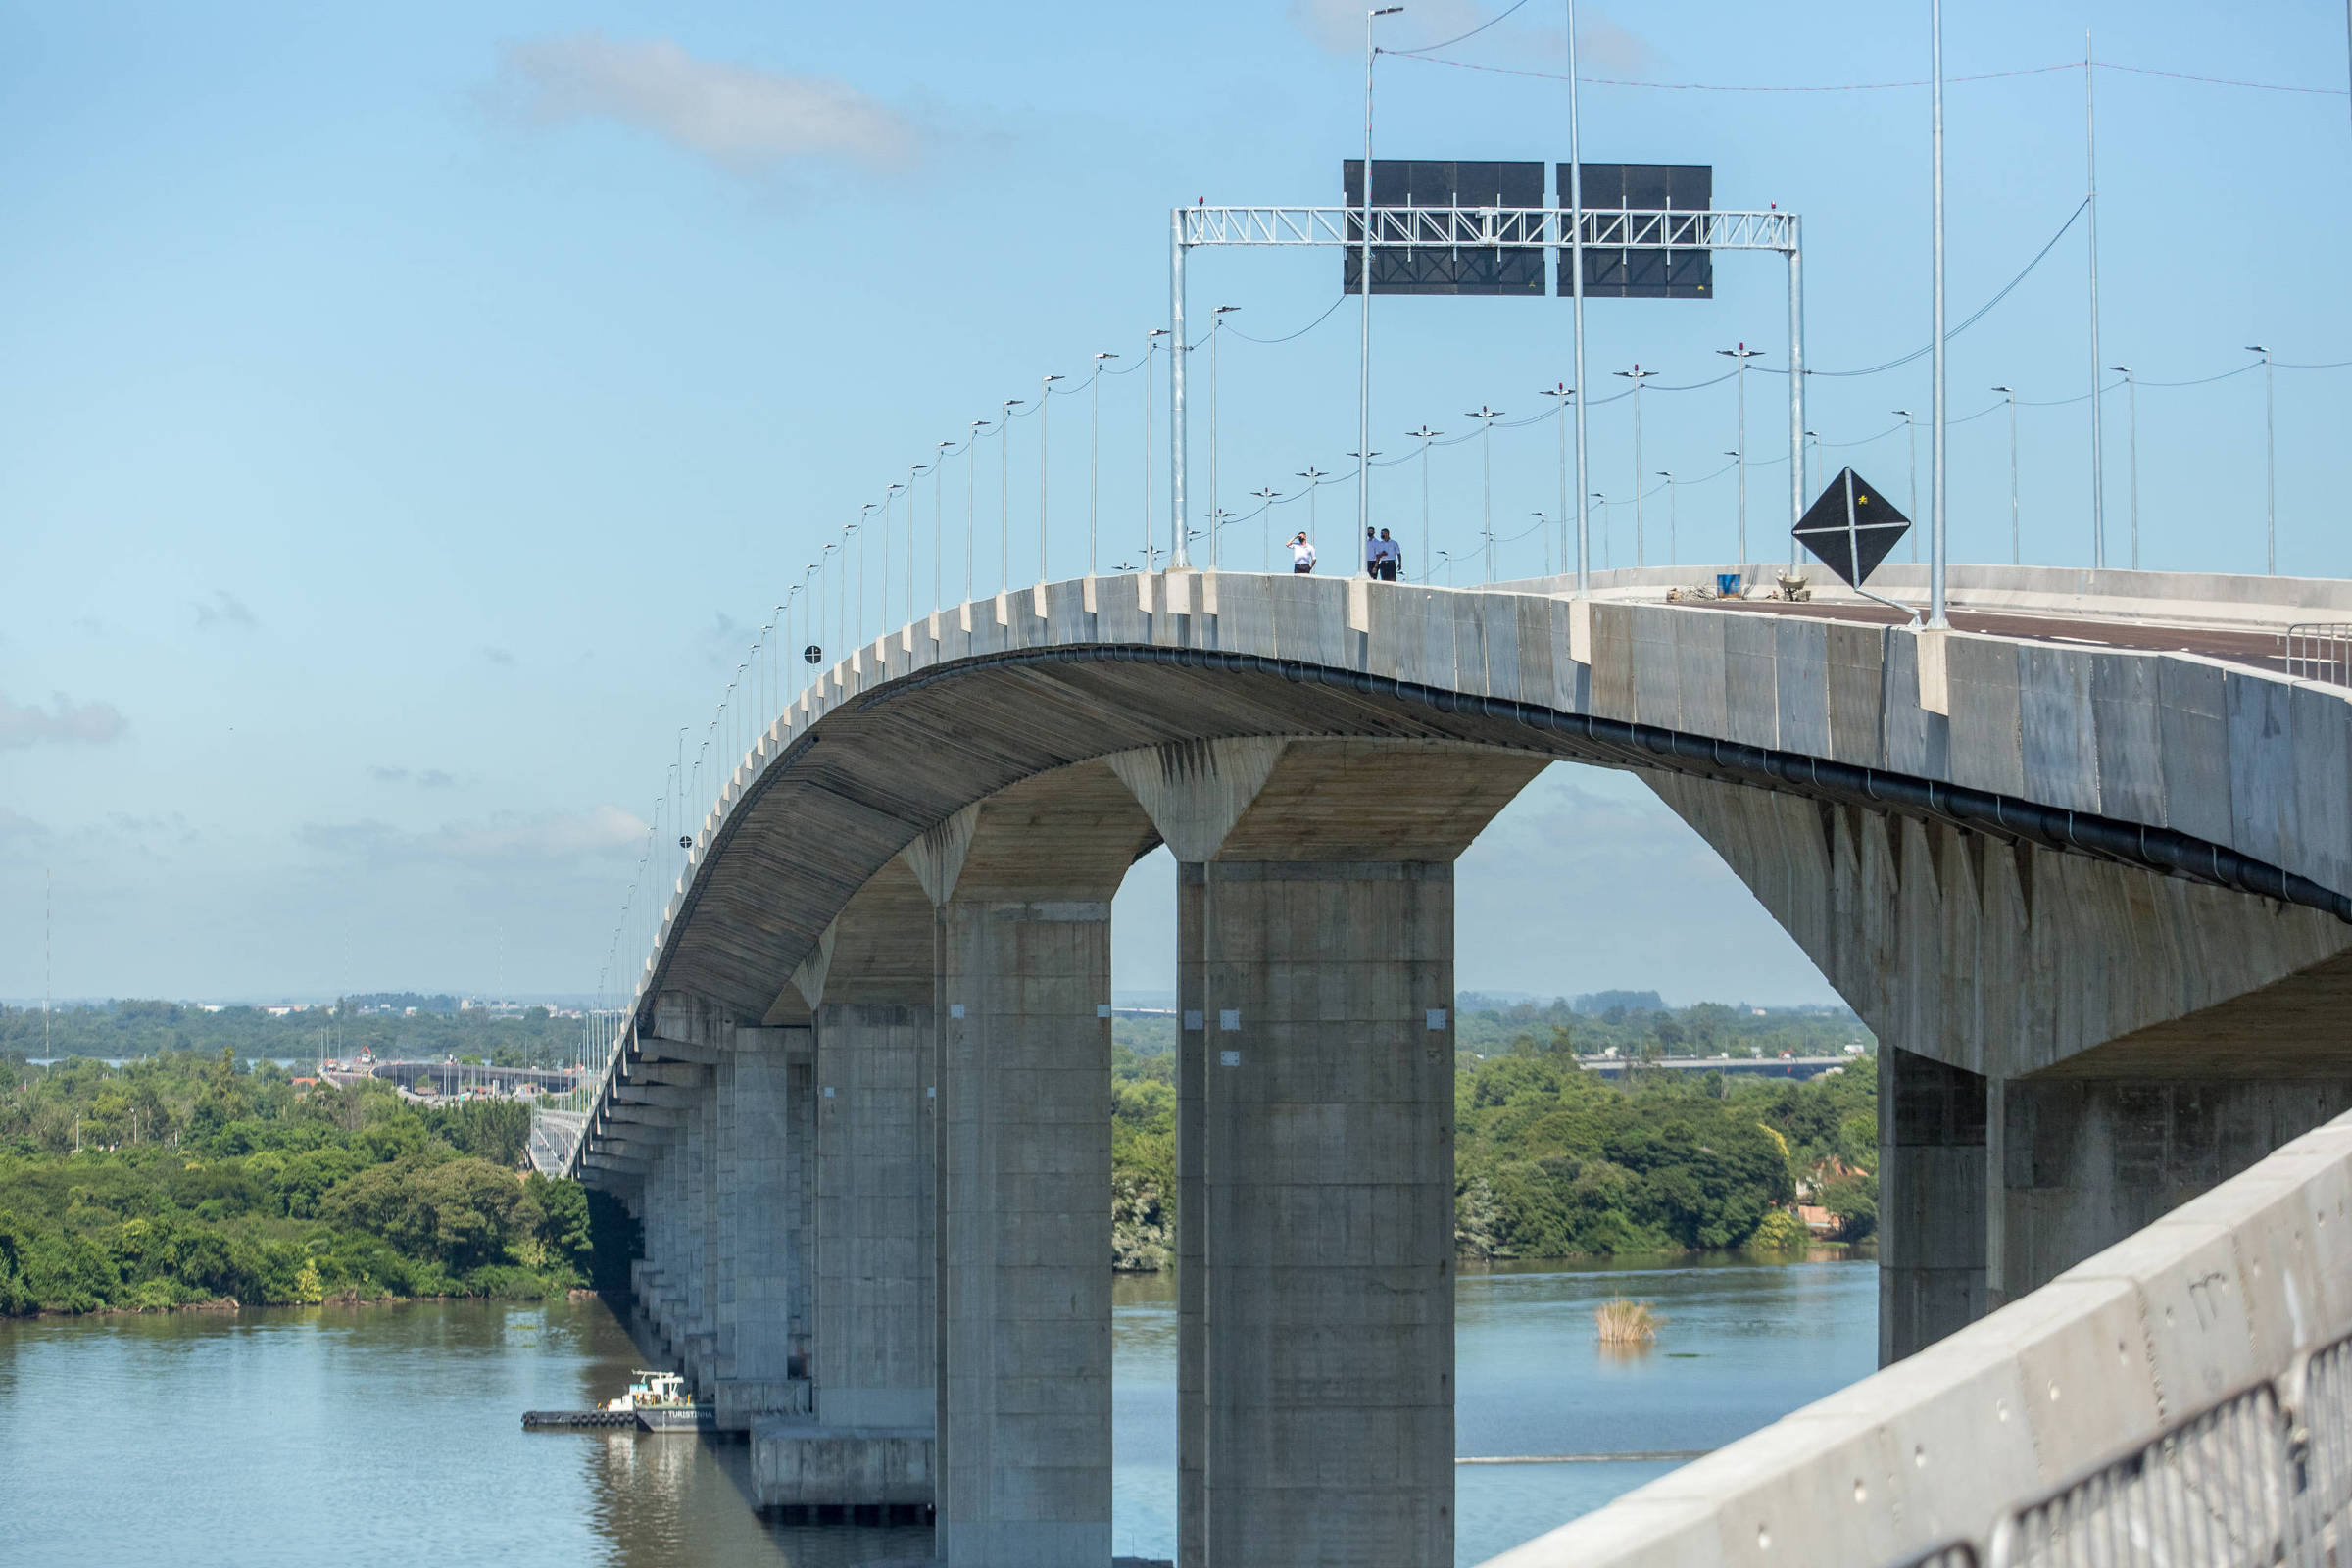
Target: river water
{"points": [[390, 1434]]}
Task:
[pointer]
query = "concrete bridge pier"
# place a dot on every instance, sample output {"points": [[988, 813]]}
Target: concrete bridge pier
{"points": [[868, 1438], [763, 1090], [1022, 884], [708, 1106], [1316, 1140], [2071, 1047]]}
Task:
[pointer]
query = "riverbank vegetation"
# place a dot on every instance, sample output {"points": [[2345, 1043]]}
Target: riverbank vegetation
{"points": [[179, 1178], [1554, 1160], [389, 1025]]}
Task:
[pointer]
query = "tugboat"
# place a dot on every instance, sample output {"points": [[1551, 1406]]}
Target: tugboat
{"points": [[656, 1402], [661, 1404]]}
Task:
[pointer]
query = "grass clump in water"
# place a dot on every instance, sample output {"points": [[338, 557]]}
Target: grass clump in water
{"points": [[1627, 1325]]}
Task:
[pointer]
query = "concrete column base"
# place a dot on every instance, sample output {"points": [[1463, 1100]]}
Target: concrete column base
{"points": [[801, 1464], [1932, 1202]]}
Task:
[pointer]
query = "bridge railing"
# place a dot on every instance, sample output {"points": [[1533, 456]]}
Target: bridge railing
{"points": [[2320, 651], [2184, 1397]]}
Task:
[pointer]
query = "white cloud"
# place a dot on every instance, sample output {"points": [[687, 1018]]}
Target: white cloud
{"points": [[744, 119], [508, 839], [1602, 45], [95, 723], [225, 609]]}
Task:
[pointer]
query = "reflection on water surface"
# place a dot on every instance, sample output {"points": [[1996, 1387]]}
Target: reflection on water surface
{"points": [[390, 1434]]}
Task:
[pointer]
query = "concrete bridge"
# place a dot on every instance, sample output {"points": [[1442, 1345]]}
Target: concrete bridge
{"points": [[449, 1077], [2081, 868]]}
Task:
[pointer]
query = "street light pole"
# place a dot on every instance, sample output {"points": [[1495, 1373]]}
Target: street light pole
{"points": [[1217, 319], [1740, 357], [2011, 394], [2132, 416], [1604, 528], [1364, 472], [1004, 497], [913, 474], [1267, 495], [864, 514], [1151, 538], [1363, 385], [1045, 397], [1486, 439], [1911, 440], [1674, 514], [972, 530], [882, 599], [1563, 392], [1637, 375], [1425, 433], [2270, 462], [1093, 456], [939, 539], [1315, 478]]}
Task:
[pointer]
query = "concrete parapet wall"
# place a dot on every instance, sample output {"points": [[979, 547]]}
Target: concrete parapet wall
{"points": [[2173, 598], [2219, 1295]]}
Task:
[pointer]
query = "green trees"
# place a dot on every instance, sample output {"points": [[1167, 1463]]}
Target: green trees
{"points": [[1551, 1162], [196, 1181]]}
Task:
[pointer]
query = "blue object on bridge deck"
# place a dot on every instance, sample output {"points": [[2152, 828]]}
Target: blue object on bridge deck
{"points": [[1727, 584]]}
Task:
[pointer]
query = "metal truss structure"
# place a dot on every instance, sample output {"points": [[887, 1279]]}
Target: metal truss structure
{"points": [[1500, 228]]}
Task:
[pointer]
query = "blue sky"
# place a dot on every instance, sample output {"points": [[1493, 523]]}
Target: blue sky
{"points": [[407, 417]]}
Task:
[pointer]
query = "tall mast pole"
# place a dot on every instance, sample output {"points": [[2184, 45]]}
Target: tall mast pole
{"points": [[1576, 277], [1363, 369], [2098, 448], [1936, 453]]}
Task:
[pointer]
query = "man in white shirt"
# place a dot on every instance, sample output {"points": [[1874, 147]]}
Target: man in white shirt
{"points": [[1303, 555]]}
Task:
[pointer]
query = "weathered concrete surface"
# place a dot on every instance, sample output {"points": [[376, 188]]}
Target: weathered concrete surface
{"points": [[801, 1463], [2219, 1293], [1931, 1200], [1316, 1114], [1022, 884], [870, 987]]}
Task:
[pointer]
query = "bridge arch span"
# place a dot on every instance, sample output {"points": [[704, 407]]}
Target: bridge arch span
{"points": [[2049, 877]]}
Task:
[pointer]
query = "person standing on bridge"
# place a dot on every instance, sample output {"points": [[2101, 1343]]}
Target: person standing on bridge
{"points": [[1390, 559], [1371, 553], [1303, 555]]}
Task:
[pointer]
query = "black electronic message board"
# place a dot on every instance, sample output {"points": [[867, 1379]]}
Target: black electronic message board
{"points": [[1622, 270], [1461, 264]]}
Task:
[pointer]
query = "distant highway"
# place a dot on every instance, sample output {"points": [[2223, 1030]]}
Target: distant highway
{"points": [[1741, 1066], [451, 1077]]}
